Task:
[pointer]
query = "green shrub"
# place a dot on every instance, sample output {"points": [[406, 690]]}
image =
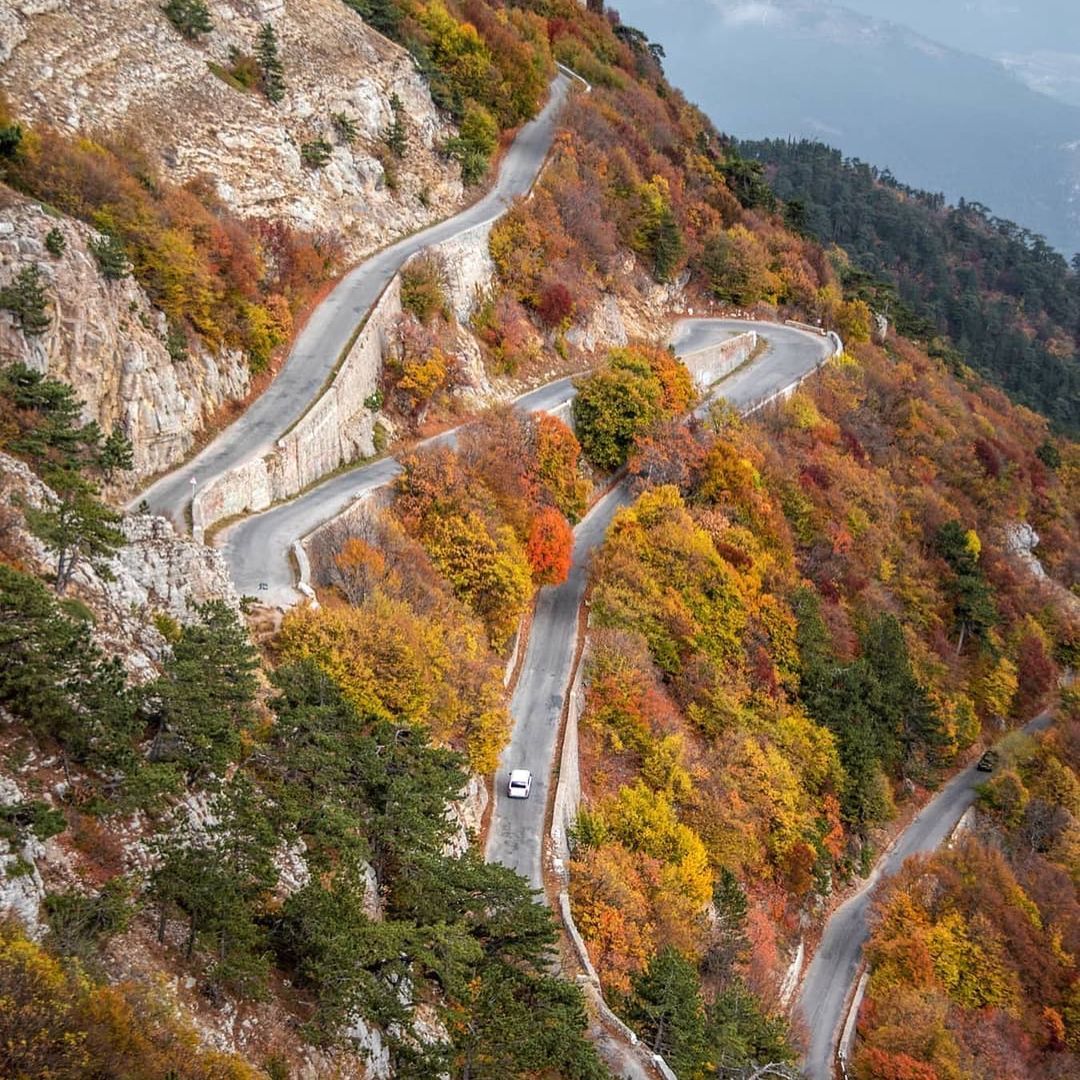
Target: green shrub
{"points": [[26, 300], [78, 924], [472, 147], [176, 343], [190, 17], [423, 288], [34, 817], [315, 154], [111, 257], [345, 127], [396, 135], [55, 244]]}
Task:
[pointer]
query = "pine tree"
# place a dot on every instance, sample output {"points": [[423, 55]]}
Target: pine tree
{"points": [[55, 243], [273, 71], [205, 697], [26, 300], [48, 432], [47, 429], [974, 611], [668, 1010], [111, 257], [77, 527], [219, 874], [117, 454], [55, 679], [396, 135]]}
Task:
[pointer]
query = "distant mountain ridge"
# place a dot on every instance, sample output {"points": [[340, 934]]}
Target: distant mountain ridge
{"points": [[939, 118]]}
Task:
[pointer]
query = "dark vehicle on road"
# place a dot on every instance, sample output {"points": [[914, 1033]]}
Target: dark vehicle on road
{"points": [[988, 762]]}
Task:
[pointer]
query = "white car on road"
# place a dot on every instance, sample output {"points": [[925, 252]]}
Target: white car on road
{"points": [[520, 784]]}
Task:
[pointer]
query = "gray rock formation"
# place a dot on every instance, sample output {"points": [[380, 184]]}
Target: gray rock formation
{"points": [[107, 340], [120, 66]]}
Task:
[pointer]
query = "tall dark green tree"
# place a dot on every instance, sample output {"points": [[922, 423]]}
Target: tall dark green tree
{"points": [[54, 679], [366, 794], [667, 1010], [219, 874], [743, 1040], [117, 454], [883, 717], [974, 612], [78, 528], [727, 943], [27, 301], [396, 134], [205, 697], [47, 431], [270, 65]]}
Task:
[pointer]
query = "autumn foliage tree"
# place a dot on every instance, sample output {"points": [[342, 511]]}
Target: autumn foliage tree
{"points": [[638, 386], [550, 547]]}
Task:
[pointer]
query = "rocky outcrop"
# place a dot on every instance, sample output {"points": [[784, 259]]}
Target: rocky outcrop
{"points": [[21, 886], [156, 572], [106, 340], [466, 815], [1021, 540], [119, 66], [91, 65]]}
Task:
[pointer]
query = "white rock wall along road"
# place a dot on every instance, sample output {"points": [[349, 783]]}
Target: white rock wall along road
{"points": [[338, 429], [713, 362]]}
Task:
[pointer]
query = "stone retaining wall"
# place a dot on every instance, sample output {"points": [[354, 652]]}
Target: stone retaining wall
{"points": [[713, 362], [568, 789], [338, 428]]}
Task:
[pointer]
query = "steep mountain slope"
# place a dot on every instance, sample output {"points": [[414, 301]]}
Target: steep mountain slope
{"points": [[202, 186], [284, 840], [97, 66], [1008, 303], [108, 339]]}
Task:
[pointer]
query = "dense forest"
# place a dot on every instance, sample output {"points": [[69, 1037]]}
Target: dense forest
{"points": [[1003, 300], [273, 827], [973, 952], [799, 629]]}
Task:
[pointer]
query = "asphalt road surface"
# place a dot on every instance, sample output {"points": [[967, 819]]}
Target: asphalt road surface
{"points": [[516, 837], [791, 353], [332, 324], [832, 975], [257, 548]]}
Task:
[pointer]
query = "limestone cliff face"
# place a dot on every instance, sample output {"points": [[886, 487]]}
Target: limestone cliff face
{"points": [[155, 572], [118, 66], [108, 341]]}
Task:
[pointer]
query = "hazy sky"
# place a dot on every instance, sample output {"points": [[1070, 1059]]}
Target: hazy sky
{"points": [[990, 27]]}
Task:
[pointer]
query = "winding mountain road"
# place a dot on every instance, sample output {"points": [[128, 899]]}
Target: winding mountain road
{"points": [[832, 974], [332, 324], [257, 549], [516, 836]]}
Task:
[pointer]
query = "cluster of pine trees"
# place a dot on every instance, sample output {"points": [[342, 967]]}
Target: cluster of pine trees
{"points": [[1000, 297]]}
